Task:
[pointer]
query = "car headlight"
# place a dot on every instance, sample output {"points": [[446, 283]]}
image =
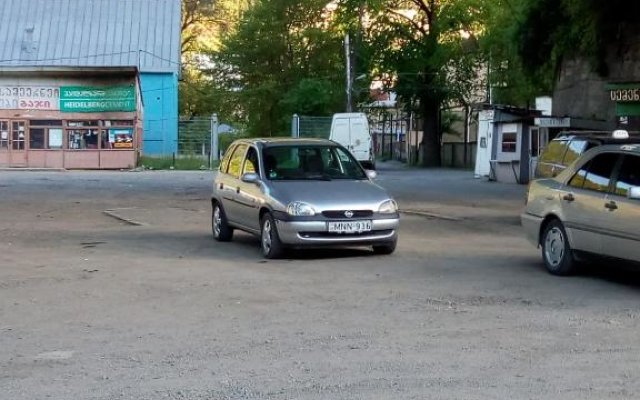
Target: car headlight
{"points": [[300, 209], [388, 207]]}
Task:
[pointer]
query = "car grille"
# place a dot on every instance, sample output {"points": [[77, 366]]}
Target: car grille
{"points": [[339, 214], [315, 235]]}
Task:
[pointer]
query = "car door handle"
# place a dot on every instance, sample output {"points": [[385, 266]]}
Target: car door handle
{"points": [[568, 197], [238, 190], [611, 205]]}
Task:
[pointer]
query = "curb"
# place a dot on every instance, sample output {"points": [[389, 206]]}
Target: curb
{"points": [[27, 169]]}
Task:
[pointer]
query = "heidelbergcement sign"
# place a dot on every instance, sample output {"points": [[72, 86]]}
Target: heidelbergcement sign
{"points": [[97, 99]]}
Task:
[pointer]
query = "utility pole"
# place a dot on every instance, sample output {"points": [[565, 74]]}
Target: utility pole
{"points": [[213, 146], [347, 53]]}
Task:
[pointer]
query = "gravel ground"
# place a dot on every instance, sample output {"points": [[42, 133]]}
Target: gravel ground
{"points": [[94, 308]]}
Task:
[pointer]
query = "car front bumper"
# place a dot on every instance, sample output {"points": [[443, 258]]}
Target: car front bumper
{"points": [[531, 226], [314, 233]]}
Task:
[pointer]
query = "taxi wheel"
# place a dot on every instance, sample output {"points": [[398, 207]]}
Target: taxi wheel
{"points": [[385, 248], [222, 232], [269, 240], [556, 250]]}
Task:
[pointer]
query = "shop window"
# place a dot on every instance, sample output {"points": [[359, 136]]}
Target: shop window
{"points": [[37, 138], [121, 138], [4, 135], [83, 139], [509, 142], [18, 133], [45, 134], [55, 138]]}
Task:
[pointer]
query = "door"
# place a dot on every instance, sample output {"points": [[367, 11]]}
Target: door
{"points": [[622, 238], [360, 139], [230, 184], [249, 194], [582, 202], [13, 143], [340, 132], [483, 153], [538, 141]]}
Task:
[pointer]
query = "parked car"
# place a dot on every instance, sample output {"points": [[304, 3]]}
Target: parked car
{"points": [[301, 193], [352, 131], [568, 146], [591, 208]]}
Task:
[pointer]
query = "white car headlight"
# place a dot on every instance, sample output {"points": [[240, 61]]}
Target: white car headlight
{"points": [[388, 207], [300, 209]]}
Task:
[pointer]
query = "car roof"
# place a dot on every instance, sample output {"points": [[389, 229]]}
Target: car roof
{"points": [[599, 136], [624, 148], [287, 141]]}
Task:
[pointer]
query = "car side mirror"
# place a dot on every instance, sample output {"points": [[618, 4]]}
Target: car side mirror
{"points": [[371, 174], [634, 193], [250, 177]]}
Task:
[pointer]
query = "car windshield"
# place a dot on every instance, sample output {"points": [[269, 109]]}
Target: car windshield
{"points": [[311, 162]]}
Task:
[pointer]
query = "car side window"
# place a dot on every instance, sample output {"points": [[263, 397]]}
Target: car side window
{"points": [[600, 169], [629, 175], [574, 150], [235, 163], [225, 160], [554, 152], [251, 162], [578, 179]]}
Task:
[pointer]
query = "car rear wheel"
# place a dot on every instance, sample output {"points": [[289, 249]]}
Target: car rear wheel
{"points": [[556, 250], [222, 232], [384, 249], [269, 240]]}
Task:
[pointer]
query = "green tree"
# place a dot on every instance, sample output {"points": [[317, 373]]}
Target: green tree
{"points": [[427, 49], [284, 57], [528, 40], [203, 24]]}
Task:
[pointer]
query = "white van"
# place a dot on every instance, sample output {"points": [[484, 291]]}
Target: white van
{"points": [[352, 131]]}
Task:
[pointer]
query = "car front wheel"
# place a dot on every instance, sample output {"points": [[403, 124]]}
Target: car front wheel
{"points": [[556, 250], [269, 240], [222, 232]]}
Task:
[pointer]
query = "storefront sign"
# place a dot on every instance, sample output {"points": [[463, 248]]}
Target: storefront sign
{"points": [[29, 98], [97, 99], [553, 122], [625, 95]]}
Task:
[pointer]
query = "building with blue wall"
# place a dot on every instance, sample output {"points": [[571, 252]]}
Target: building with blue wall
{"points": [[77, 34]]}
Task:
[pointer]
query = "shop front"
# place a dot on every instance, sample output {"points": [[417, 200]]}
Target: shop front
{"points": [[63, 120]]}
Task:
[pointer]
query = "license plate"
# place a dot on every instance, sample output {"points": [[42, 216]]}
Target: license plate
{"points": [[349, 226]]}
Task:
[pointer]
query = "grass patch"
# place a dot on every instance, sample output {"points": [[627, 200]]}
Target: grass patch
{"points": [[179, 162]]}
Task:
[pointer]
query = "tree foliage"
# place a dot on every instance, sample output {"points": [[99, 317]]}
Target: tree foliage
{"points": [[428, 51], [529, 40], [283, 58]]}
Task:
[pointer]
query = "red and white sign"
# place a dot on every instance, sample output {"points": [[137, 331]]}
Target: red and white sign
{"points": [[29, 98]]}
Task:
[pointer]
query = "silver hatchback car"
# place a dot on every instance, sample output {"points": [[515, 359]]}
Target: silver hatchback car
{"points": [[591, 208], [301, 193]]}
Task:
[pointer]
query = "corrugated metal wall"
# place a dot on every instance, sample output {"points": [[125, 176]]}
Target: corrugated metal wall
{"points": [[143, 33]]}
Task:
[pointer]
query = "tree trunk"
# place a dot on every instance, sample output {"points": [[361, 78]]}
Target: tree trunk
{"points": [[431, 155]]}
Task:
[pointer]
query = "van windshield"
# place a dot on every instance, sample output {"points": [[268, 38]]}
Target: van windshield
{"points": [[310, 163]]}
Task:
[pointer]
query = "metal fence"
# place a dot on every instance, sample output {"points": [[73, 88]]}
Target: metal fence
{"points": [[194, 137], [194, 141], [305, 126]]}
